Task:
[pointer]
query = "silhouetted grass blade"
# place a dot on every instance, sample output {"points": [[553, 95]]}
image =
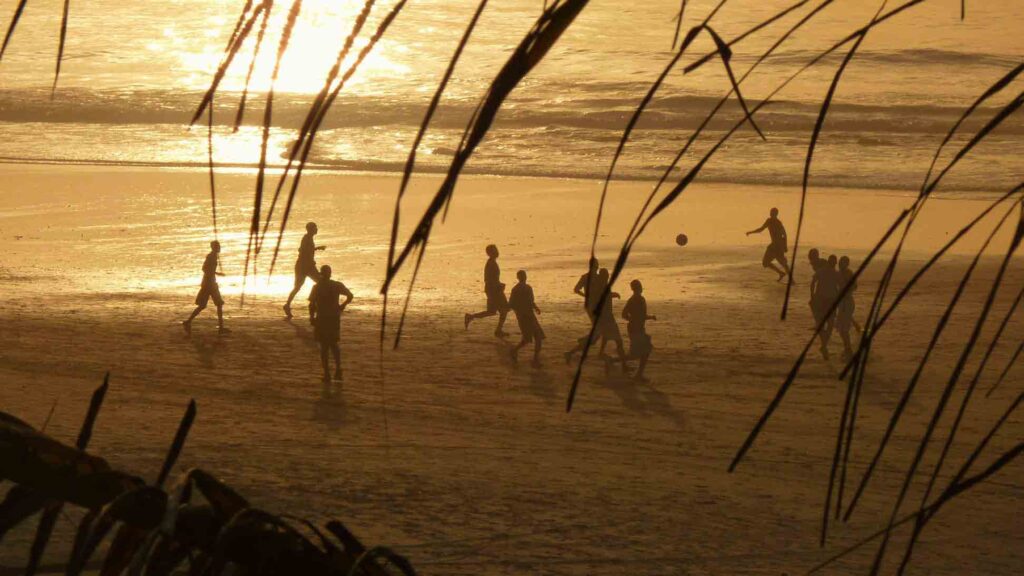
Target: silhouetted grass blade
{"points": [[95, 403], [672, 195], [726, 53], [321, 112], [922, 364], [954, 428], [212, 169], [52, 510], [179, 442], [956, 488], [991, 91], [954, 377], [240, 22], [1003, 113], [12, 26], [1009, 365], [840, 433], [229, 56], [670, 168], [995, 341], [818, 123], [756, 28], [240, 112], [530, 51], [311, 115], [46, 523], [410, 162], [780, 394], [679, 23], [941, 252], [60, 47]]}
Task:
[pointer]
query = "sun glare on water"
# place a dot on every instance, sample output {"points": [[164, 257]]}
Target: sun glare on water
{"points": [[320, 32]]}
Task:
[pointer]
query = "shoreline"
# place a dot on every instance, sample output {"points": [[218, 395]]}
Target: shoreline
{"points": [[394, 170]]}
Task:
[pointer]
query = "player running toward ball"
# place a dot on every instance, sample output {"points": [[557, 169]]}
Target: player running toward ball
{"points": [[777, 249]]}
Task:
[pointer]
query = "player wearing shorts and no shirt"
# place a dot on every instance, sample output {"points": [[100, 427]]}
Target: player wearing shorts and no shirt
{"points": [[607, 327], [776, 250], [305, 265], [208, 290], [495, 292], [325, 309], [585, 287], [847, 306], [827, 281]]}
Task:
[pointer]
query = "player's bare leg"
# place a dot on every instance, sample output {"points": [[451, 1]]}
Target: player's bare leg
{"points": [[187, 324], [336, 352]]}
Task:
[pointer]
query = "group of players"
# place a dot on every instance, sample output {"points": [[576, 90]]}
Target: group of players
{"points": [[827, 284], [325, 299], [590, 286], [831, 276]]}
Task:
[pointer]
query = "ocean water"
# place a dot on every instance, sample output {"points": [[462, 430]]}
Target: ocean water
{"points": [[134, 72]]}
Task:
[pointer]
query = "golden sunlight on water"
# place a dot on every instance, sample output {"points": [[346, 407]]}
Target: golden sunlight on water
{"points": [[319, 33]]}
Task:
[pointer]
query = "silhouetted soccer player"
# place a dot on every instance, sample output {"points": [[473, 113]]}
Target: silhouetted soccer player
{"points": [[209, 289], [825, 293], [590, 286], [325, 315], [776, 251], [523, 304], [813, 256], [584, 285], [844, 316], [305, 266], [495, 291], [606, 324], [635, 313]]}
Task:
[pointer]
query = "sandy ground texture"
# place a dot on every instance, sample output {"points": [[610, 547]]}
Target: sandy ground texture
{"points": [[443, 448]]}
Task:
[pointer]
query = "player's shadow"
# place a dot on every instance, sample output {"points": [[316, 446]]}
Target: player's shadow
{"points": [[304, 332], [643, 398], [503, 349], [330, 407], [207, 347], [541, 382], [542, 385]]}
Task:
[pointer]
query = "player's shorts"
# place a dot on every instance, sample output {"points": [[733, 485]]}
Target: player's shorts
{"points": [[639, 342], [496, 300], [821, 306], [303, 271], [327, 330], [773, 252], [607, 327], [817, 312], [529, 328], [208, 291], [844, 316]]}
